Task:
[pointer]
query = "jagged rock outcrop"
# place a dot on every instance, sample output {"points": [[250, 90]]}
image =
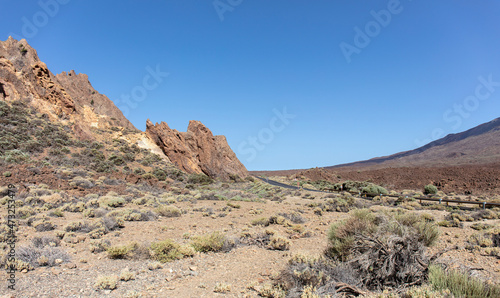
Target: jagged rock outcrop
{"points": [[24, 77], [65, 96], [197, 150], [78, 85]]}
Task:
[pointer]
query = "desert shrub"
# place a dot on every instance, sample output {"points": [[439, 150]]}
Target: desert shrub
{"points": [[351, 186], [97, 246], [168, 211], [112, 201], [79, 226], [460, 284], [484, 214], [111, 223], [458, 216], [44, 226], [233, 205], [341, 235], [305, 272], [139, 171], [374, 189], [25, 212], [222, 287], [384, 249], [126, 275], [119, 252], [160, 174], [133, 215], [261, 221], [279, 243], [148, 176], [430, 189], [481, 240], [199, 179], [41, 242], [167, 251], [15, 156], [106, 282], [294, 217], [45, 255], [215, 242]]}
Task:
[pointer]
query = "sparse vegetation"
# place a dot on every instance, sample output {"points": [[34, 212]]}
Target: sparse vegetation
{"points": [[167, 251], [106, 282], [214, 242], [460, 284]]}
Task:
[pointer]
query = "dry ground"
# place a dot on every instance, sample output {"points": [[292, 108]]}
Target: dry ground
{"points": [[241, 269]]}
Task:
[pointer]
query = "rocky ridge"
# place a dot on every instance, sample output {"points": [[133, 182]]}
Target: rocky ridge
{"points": [[70, 98], [197, 150]]}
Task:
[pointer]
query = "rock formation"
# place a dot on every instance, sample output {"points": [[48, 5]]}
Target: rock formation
{"points": [[197, 150], [65, 96], [70, 98], [80, 89]]}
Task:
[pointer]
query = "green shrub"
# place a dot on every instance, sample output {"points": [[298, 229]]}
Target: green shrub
{"points": [[118, 252], [160, 174], [148, 176], [430, 189], [374, 190], [341, 235], [168, 250], [199, 179], [16, 156], [116, 159], [461, 285], [215, 242], [7, 174]]}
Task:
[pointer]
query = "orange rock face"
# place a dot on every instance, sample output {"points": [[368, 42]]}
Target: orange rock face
{"points": [[197, 150]]}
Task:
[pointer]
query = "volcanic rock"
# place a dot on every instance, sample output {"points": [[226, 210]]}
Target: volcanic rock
{"points": [[197, 150]]}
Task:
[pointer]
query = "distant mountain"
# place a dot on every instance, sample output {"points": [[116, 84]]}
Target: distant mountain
{"points": [[477, 146]]}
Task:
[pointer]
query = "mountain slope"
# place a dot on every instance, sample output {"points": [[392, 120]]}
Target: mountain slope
{"points": [[68, 100], [476, 146]]}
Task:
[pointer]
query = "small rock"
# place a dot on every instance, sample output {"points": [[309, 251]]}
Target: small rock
{"points": [[24, 271], [58, 261], [193, 268], [70, 265]]}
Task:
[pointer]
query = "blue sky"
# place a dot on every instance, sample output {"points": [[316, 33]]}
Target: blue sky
{"points": [[291, 84]]}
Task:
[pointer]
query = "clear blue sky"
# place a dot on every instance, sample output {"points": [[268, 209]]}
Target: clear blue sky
{"points": [[234, 67]]}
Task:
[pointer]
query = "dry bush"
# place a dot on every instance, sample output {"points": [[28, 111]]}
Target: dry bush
{"points": [[215, 241], [322, 273], [42, 252], [384, 250], [106, 282], [168, 211], [168, 250]]}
